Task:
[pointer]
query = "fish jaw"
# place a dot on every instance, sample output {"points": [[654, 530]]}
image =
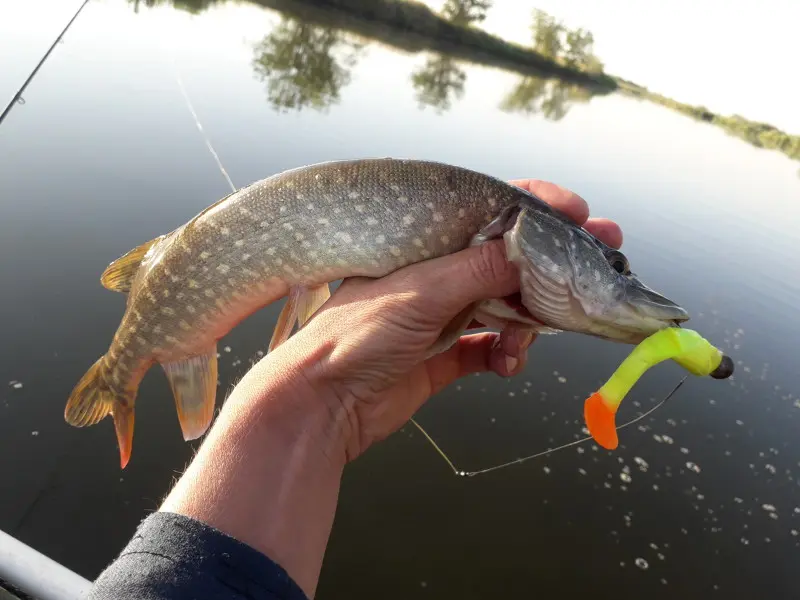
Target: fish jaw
{"points": [[571, 281]]}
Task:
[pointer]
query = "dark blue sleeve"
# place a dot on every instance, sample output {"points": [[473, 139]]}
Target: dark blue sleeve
{"points": [[173, 557]]}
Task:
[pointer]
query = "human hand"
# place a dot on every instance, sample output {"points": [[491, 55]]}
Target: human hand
{"points": [[372, 337]]}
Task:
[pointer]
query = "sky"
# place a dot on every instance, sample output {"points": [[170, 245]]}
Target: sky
{"points": [[732, 56]]}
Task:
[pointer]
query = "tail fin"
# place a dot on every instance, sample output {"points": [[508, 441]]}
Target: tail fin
{"points": [[92, 400]]}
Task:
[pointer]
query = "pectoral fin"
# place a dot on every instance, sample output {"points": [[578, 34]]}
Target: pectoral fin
{"points": [[453, 330], [311, 300], [301, 304], [119, 275], [194, 385]]}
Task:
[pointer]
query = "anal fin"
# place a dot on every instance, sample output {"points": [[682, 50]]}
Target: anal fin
{"points": [[194, 385]]}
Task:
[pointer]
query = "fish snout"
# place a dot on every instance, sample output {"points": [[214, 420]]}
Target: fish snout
{"points": [[653, 305]]}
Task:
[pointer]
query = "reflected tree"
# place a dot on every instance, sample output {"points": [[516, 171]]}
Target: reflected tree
{"points": [[438, 82], [550, 98], [466, 12], [304, 65]]}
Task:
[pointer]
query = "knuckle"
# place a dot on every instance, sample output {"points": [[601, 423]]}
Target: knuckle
{"points": [[489, 265]]}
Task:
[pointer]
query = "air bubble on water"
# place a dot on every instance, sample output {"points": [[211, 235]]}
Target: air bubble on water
{"points": [[642, 428], [641, 563], [685, 450], [745, 541], [260, 353], [657, 438], [664, 581], [737, 500], [767, 540], [606, 485], [773, 516], [582, 471], [712, 402], [643, 466], [655, 486], [797, 510], [218, 354], [528, 384], [423, 584], [562, 379], [660, 556], [794, 532], [693, 467], [739, 422], [622, 563], [227, 348], [667, 439], [654, 546], [511, 394], [34, 433], [546, 470], [701, 497], [580, 450], [768, 507], [770, 468], [17, 385], [492, 420]]}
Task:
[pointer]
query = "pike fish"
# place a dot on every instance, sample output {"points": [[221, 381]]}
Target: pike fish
{"points": [[293, 233]]}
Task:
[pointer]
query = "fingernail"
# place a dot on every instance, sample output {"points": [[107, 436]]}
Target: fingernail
{"points": [[524, 338], [511, 363]]}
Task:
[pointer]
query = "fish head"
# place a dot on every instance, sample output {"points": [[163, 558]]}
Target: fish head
{"points": [[572, 281]]}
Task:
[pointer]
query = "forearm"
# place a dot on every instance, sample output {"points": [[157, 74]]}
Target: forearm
{"points": [[269, 471]]}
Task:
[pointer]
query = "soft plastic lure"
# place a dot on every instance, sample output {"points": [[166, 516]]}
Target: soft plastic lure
{"points": [[685, 346]]}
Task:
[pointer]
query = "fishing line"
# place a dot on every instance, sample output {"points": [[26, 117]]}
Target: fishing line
{"points": [[510, 463], [17, 98], [190, 106]]}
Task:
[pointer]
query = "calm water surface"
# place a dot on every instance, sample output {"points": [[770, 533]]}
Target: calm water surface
{"points": [[700, 500]]}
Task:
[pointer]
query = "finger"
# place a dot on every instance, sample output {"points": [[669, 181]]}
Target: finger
{"points": [[606, 230], [478, 353], [558, 197], [510, 352], [449, 283]]}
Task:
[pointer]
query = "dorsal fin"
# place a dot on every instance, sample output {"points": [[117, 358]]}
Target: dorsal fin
{"points": [[119, 275]]}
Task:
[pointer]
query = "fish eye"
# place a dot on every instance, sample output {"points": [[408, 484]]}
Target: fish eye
{"points": [[619, 262]]}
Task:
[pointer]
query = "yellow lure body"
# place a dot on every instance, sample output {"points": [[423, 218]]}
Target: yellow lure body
{"points": [[685, 346]]}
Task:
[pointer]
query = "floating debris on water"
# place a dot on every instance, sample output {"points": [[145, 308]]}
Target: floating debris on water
{"points": [[692, 467], [641, 563], [643, 466], [768, 507], [667, 439], [227, 348], [625, 477]]}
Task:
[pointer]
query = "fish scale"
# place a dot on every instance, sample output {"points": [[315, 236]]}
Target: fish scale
{"points": [[291, 235]]}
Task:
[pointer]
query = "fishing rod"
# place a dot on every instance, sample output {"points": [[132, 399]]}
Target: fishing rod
{"points": [[18, 96]]}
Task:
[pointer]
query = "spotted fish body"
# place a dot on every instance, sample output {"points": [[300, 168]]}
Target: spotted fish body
{"points": [[290, 235]]}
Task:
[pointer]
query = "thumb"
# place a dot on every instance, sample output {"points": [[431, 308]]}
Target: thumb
{"points": [[449, 283]]}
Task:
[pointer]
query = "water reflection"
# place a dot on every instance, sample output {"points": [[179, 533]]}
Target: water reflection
{"points": [[304, 65], [438, 82], [551, 99]]}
